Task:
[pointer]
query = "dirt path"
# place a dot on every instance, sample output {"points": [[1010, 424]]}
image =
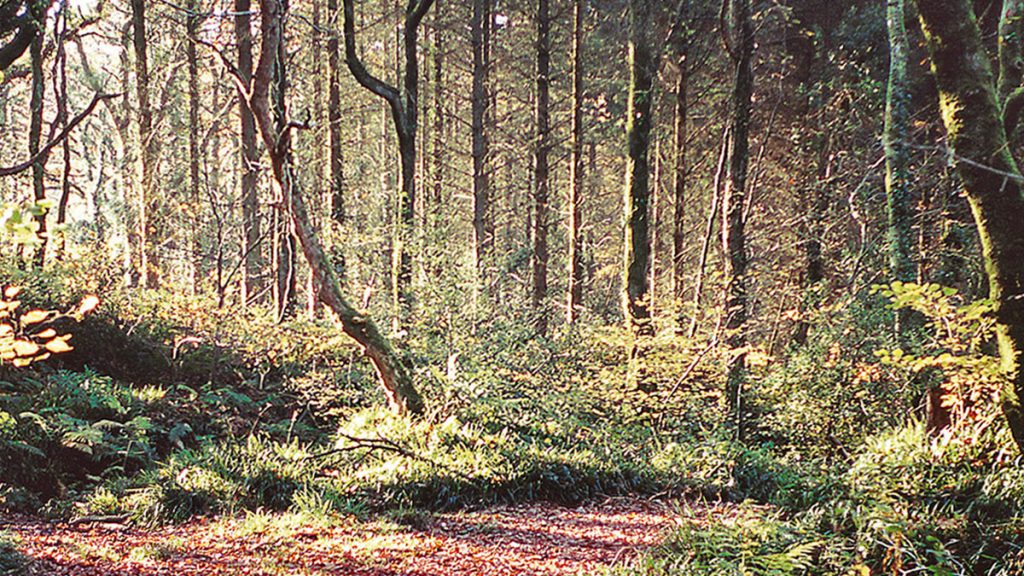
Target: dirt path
{"points": [[522, 539]]}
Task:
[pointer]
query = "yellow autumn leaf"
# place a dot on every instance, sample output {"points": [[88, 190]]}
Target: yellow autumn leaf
{"points": [[21, 362], [48, 333], [89, 303], [6, 329], [59, 344], [33, 317], [11, 291], [25, 348]]}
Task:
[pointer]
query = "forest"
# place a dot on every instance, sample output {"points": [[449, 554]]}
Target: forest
{"points": [[501, 287]]}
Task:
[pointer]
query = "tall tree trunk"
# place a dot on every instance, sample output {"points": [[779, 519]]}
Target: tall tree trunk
{"points": [[899, 232], [540, 167], [284, 241], [733, 233], [680, 113], [403, 103], [480, 144], [576, 177], [642, 67], [149, 218], [252, 251], [990, 176], [394, 377], [194, 154], [439, 123], [35, 133], [62, 118], [337, 160]]}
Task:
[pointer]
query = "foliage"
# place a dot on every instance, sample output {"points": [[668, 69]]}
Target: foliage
{"points": [[826, 396], [747, 542], [971, 379], [28, 336], [11, 561]]}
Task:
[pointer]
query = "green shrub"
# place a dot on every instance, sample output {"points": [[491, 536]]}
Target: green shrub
{"points": [[11, 560], [747, 542]]}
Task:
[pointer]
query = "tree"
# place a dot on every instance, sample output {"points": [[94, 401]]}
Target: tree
{"points": [[36, 129], [194, 147], [404, 105], [149, 225], [337, 184], [734, 238], [642, 68], [576, 177], [480, 40], [542, 145], [899, 231], [989, 174], [252, 252], [394, 376]]}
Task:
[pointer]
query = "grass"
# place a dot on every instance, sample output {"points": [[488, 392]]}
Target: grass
{"points": [[156, 551]]}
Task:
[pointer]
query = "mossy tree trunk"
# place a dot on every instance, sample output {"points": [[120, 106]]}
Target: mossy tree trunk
{"points": [[990, 176], [899, 231], [394, 377]]}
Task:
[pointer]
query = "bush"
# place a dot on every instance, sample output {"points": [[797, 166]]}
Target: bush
{"points": [[11, 561]]}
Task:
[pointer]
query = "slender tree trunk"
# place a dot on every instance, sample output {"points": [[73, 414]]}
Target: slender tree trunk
{"points": [[284, 241], [576, 175], [395, 379], [35, 133], [337, 160], [403, 103], [990, 176], [709, 229], [899, 233], [62, 118], [642, 66], [252, 251], [680, 113], [149, 218], [439, 124], [194, 153], [541, 168], [733, 233], [655, 227], [480, 144]]}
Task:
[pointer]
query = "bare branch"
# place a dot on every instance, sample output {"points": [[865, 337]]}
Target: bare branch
{"points": [[18, 168]]}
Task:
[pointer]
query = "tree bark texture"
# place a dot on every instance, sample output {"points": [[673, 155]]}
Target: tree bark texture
{"points": [[989, 173], [576, 174], [899, 211], [542, 146], [642, 68], [734, 199]]}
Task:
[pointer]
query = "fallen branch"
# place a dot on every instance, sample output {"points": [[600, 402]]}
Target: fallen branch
{"points": [[386, 445], [113, 519]]}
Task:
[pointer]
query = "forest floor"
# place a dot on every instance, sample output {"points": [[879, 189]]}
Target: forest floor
{"points": [[536, 538]]}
